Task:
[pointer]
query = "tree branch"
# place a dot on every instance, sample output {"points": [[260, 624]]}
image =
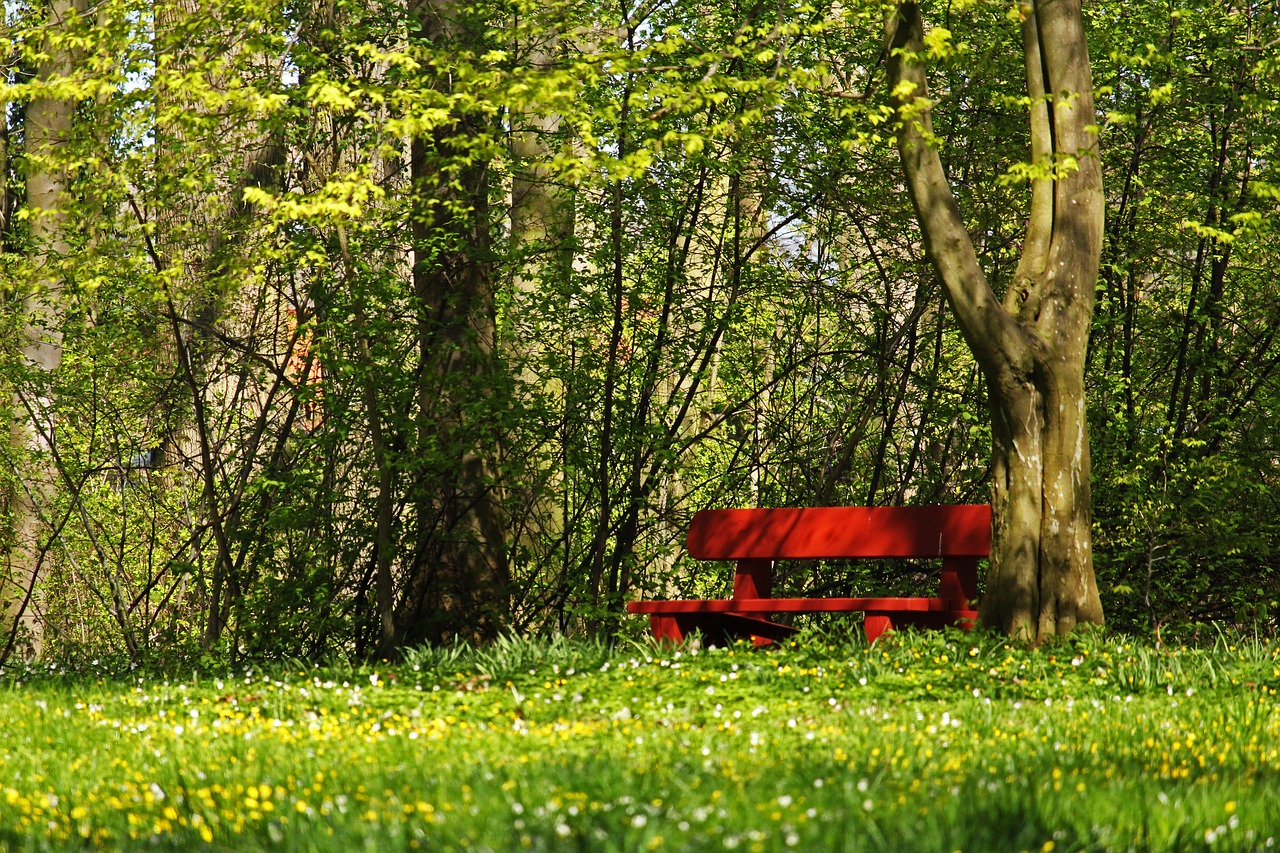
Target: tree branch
{"points": [[984, 323], [1023, 298]]}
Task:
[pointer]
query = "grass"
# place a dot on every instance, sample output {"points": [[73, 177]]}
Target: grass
{"points": [[923, 742]]}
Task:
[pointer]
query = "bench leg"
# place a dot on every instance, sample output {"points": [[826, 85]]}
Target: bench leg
{"points": [[958, 585], [665, 628], [875, 625]]}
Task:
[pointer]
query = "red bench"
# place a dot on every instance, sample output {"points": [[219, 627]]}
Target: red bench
{"points": [[755, 538]]}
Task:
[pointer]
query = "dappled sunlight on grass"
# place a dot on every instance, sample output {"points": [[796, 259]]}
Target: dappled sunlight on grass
{"points": [[929, 742]]}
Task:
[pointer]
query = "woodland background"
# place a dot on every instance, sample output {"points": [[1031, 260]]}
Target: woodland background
{"points": [[337, 326]]}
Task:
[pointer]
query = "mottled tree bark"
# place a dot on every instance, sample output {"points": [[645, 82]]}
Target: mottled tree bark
{"points": [[1031, 345], [458, 579]]}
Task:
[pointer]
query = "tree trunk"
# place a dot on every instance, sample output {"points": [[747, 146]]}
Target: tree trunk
{"points": [[6, 197], [459, 577], [47, 130], [542, 247], [1031, 348], [201, 250]]}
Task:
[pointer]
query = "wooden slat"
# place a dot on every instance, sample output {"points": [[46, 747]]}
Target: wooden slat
{"points": [[788, 605], [818, 533]]}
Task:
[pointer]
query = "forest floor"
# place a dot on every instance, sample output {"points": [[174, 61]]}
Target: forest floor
{"points": [[930, 742]]}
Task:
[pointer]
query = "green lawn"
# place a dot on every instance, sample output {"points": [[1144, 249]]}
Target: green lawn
{"points": [[924, 742]]}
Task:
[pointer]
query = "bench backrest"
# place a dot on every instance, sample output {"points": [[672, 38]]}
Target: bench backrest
{"points": [[816, 533]]}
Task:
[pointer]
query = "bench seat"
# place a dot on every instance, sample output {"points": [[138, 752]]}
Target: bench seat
{"points": [[789, 605], [756, 538]]}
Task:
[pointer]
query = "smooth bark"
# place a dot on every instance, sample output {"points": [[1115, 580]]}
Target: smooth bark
{"points": [[542, 223], [1031, 345], [47, 130]]}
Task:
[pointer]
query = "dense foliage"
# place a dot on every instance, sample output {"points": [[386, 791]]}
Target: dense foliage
{"points": [[382, 324]]}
